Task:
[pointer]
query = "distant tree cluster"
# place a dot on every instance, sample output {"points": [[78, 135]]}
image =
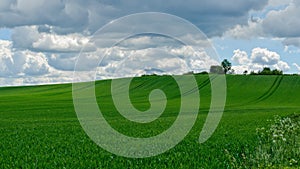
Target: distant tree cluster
{"points": [[225, 68], [267, 71], [193, 73], [153, 74]]}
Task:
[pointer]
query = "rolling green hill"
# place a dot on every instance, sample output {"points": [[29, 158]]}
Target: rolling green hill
{"points": [[39, 127]]}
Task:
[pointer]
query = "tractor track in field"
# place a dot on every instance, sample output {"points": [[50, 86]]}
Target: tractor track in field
{"points": [[200, 86], [145, 84], [270, 91]]}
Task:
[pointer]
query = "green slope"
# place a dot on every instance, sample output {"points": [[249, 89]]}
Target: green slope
{"points": [[38, 125]]}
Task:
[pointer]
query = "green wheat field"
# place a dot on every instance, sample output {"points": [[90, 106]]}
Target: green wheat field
{"points": [[259, 128]]}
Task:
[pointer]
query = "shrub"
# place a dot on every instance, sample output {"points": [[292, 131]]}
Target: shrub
{"points": [[278, 146]]}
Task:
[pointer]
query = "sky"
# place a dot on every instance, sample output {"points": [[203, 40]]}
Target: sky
{"points": [[41, 40]]}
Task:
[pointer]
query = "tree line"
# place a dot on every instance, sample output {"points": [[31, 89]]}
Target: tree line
{"points": [[226, 68]]}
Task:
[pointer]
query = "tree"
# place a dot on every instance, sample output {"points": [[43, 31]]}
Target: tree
{"points": [[245, 72], [216, 69], [267, 71], [277, 72], [253, 73], [226, 65]]}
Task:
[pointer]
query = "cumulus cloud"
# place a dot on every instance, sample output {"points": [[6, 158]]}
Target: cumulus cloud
{"points": [[65, 43], [197, 60], [131, 57], [25, 67], [240, 57], [281, 65], [264, 56], [29, 37], [30, 63], [6, 60], [20, 63], [259, 58], [121, 62]]}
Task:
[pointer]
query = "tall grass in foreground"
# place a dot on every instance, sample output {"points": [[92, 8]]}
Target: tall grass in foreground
{"points": [[278, 146]]}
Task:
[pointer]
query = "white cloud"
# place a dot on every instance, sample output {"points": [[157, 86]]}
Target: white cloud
{"points": [[61, 43], [30, 63], [240, 57], [240, 69], [260, 58], [264, 56], [121, 62], [6, 60], [196, 60], [282, 66], [28, 37], [19, 63]]}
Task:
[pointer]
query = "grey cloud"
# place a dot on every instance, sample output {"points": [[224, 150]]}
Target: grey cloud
{"points": [[62, 61], [23, 37], [39, 12], [292, 42], [212, 16], [284, 23], [281, 20], [148, 41]]}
